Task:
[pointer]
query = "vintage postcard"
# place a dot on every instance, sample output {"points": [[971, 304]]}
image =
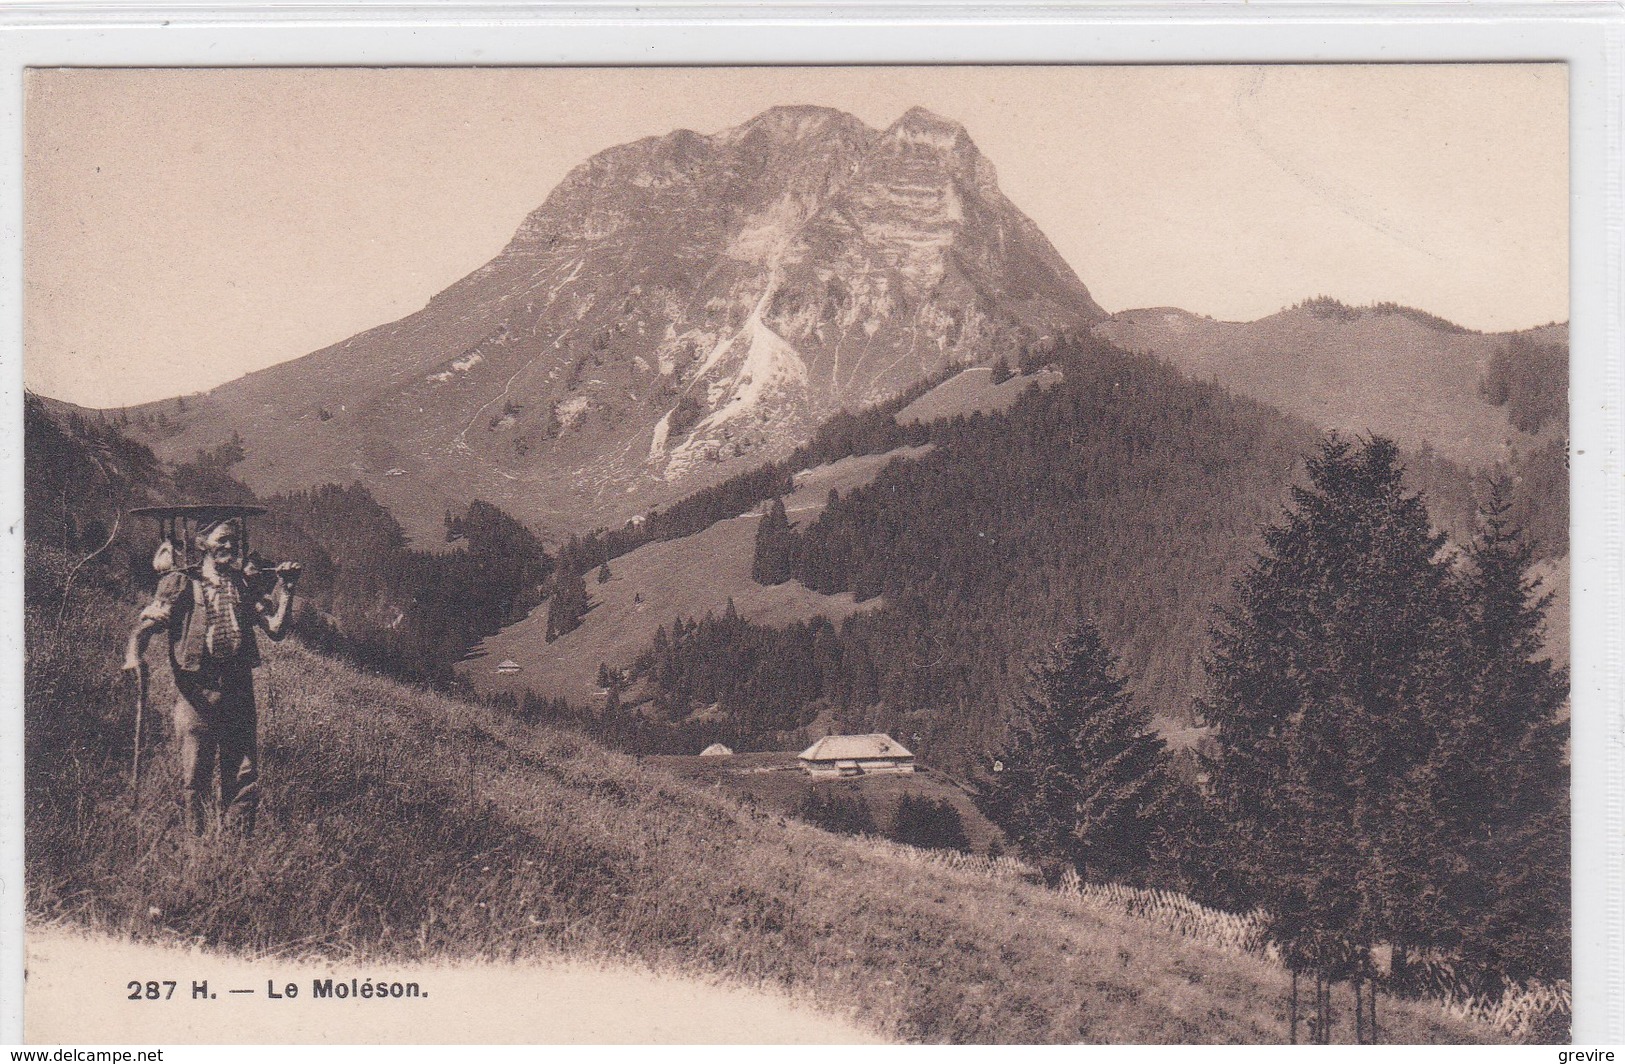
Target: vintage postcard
{"points": [[838, 554]]}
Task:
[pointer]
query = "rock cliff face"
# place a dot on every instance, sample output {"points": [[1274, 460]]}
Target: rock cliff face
{"points": [[679, 309]]}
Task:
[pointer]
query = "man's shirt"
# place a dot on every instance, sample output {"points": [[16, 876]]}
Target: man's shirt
{"points": [[210, 621]]}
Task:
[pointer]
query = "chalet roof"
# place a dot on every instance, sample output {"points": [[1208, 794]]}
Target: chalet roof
{"points": [[853, 747], [716, 750]]}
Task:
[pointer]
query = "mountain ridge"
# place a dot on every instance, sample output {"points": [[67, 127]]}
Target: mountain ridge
{"points": [[674, 304], [1388, 369]]}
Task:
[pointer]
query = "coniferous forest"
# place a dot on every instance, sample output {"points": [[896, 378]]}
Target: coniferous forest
{"points": [[1125, 494]]}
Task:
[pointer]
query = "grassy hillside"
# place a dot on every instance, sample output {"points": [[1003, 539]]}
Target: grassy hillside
{"points": [[1120, 488], [774, 781], [692, 575], [1355, 369], [400, 824], [647, 588], [973, 392]]}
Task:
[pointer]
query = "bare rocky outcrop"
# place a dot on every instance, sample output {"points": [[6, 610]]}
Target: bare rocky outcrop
{"points": [[678, 309]]}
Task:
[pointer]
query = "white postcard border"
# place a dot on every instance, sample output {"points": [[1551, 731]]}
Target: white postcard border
{"points": [[1586, 36]]}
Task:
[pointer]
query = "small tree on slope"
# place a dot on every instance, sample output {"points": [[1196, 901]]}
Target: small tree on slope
{"points": [[772, 562], [567, 605], [1083, 774]]}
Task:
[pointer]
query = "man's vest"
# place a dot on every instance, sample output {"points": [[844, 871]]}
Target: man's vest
{"points": [[189, 627]]}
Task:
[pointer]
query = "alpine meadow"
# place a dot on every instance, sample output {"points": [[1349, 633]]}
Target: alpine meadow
{"points": [[773, 568]]}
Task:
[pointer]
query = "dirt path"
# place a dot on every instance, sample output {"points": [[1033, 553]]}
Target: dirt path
{"points": [[77, 992]]}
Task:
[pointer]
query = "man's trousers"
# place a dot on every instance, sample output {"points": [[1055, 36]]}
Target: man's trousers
{"points": [[216, 723]]}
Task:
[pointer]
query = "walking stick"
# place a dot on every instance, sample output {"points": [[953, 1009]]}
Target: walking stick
{"points": [[140, 710]]}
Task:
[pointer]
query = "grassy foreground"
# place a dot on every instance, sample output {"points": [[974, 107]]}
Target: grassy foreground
{"points": [[399, 824]]}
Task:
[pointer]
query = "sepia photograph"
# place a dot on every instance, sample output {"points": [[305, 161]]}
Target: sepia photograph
{"points": [[834, 555]]}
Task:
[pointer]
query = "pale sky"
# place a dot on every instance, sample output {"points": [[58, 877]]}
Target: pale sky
{"points": [[185, 227]]}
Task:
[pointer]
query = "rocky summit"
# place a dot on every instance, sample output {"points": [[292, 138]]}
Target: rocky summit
{"points": [[680, 308]]}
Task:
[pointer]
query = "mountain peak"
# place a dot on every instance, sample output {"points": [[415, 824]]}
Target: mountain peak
{"points": [[919, 124], [678, 308], [793, 122], [921, 132]]}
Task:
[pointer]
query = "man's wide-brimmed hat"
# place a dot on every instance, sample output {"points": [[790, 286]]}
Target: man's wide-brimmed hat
{"points": [[200, 514], [181, 526]]}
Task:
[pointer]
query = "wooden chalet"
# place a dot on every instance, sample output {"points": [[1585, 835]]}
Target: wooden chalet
{"points": [[856, 755]]}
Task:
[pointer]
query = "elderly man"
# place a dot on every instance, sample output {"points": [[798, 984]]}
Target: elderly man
{"points": [[211, 614]]}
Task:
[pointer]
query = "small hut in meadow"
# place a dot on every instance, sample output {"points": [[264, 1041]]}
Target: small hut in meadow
{"points": [[509, 667], [856, 755], [716, 750]]}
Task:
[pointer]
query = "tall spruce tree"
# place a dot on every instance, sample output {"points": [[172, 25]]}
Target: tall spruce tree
{"points": [[567, 605], [773, 561], [1500, 774], [1331, 677], [1082, 774]]}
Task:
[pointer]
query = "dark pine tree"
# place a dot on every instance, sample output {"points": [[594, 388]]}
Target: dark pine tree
{"points": [[1500, 769], [567, 605], [1331, 677], [775, 541], [929, 823], [1001, 370], [1083, 775], [836, 808]]}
